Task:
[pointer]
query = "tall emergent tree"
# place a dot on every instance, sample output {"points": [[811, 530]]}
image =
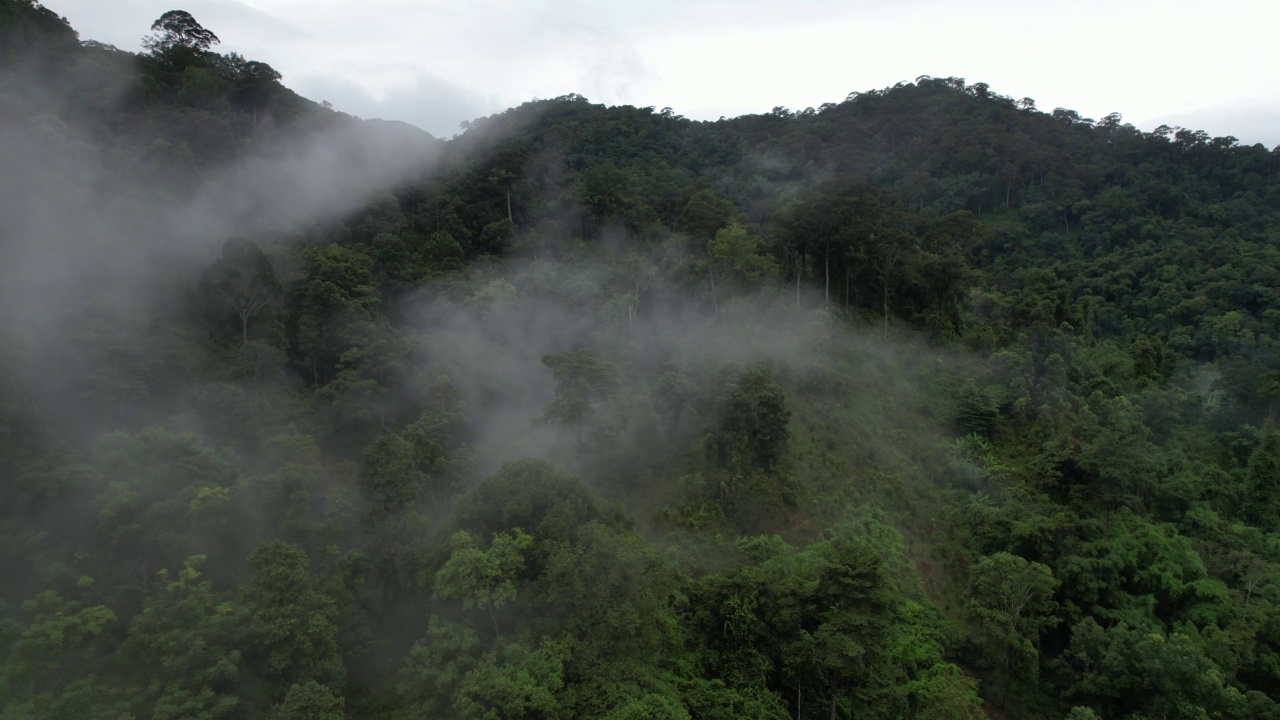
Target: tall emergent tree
{"points": [[1012, 601], [241, 285], [177, 28]]}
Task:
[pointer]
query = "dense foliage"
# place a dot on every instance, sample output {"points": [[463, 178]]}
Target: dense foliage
{"points": [[924, 404]]}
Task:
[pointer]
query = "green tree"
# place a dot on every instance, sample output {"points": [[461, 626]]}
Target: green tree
{"points": [[435, 668], [390, 478], [749, 445], [178, 28], [240, 286], [50, 657], [514, 681], [290, 630], [706, 213], [338, 294], [650, 707], [1262, 481], [608, 593], [181, 650], [891, 248], [853, 603], [443, 250], [255, 86], [735, 259], [161, 498], [483, 578], [534, 496], [640, 273], [583, 383], [1012, 602], [309, 701]]}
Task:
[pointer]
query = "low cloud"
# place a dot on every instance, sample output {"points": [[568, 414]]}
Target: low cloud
{"points": [[415, 96]]}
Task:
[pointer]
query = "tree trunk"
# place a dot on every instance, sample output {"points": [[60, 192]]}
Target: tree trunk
{"points": [[510, 218], [826, 295], [833, 705], [494, 618], [886, 309], [715, 302], [244, 327]]}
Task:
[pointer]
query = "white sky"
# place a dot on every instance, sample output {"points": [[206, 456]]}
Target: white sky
{"points": [[435, 63]]}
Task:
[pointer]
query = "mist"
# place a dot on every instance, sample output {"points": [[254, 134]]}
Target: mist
{"points": [[675, 358], [94, 229], [918, 404]]}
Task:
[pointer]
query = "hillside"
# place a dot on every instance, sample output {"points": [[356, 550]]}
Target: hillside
{"points": [[923, 404]]}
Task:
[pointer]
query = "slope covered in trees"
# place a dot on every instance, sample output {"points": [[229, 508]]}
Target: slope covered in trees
{"points": [[924, 404]]}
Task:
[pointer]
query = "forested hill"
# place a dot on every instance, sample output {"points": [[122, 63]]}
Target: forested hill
{"points": [[923, 404]]}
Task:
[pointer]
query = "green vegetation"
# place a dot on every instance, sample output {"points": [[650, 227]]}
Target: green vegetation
{"points": [[924, 404]]}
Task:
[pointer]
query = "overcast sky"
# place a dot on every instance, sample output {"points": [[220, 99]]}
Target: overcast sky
{"points": [[435, 63]]}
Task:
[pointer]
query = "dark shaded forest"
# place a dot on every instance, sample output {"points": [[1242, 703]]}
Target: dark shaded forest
{"points": [[924, 404]]}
